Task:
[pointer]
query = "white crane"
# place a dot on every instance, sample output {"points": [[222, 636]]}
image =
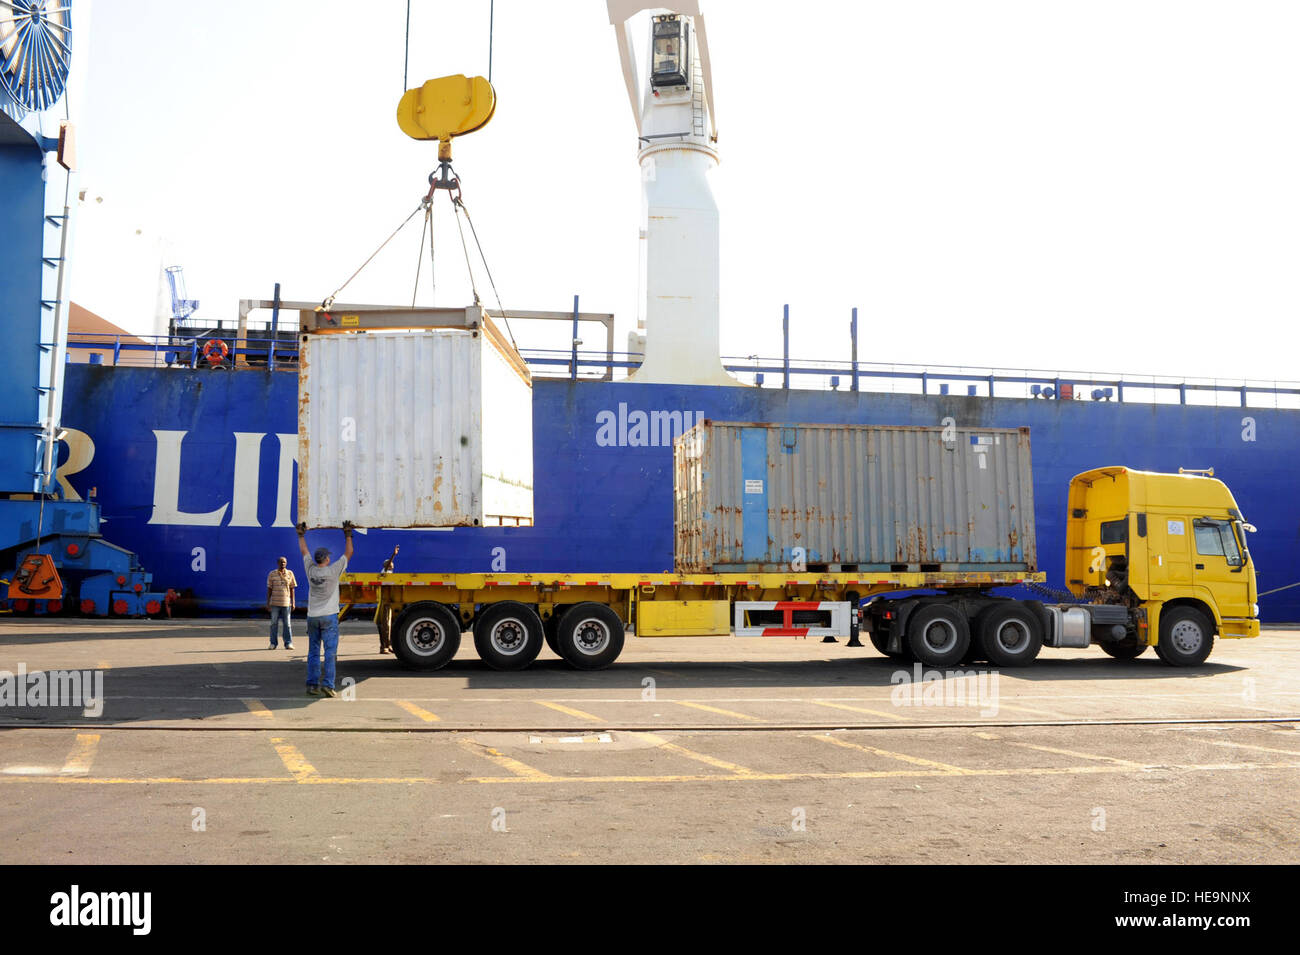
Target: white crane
{"points": [[675, 121]]}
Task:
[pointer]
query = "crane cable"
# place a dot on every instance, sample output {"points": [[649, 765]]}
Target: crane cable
{"points": [[426, 204], [419, 259], [460, 205], [329, 302]]}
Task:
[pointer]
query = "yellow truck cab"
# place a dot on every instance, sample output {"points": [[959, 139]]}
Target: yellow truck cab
{"points": [[1169, 547]]}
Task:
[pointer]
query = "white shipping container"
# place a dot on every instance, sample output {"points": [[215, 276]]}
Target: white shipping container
{"points": [[414, 429]]}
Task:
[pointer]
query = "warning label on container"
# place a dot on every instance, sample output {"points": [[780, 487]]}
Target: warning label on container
{"points": [[754, 487]]}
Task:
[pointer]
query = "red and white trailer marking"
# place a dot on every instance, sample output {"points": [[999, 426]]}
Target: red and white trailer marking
{"points": [[834, 618]]}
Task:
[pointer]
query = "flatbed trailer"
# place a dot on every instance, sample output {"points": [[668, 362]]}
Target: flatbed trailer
{"points": [[583, 617]]}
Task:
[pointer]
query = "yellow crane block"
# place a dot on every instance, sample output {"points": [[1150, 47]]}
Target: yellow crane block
{"points": [[445, 107]]}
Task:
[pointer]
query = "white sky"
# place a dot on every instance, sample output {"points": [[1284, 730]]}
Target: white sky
{"points": [[1105, 185]]}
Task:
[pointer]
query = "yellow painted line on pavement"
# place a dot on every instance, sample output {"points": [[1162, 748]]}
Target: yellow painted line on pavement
{"points": [[521, 770], [1262, 749], [258, 708], [661, 743], [918, 773], [81, 755], [1077, 755], [718, 710], [1021, 708], [419, 711], [858, 709], [568, 711], [294, 761], [889, 754]]}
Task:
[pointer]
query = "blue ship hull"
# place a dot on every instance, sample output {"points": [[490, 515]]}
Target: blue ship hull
{"points": [[195, 473]]}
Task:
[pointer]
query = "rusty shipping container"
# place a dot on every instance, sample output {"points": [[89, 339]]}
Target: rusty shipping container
{"points": [[770, 498], [414, 429]]}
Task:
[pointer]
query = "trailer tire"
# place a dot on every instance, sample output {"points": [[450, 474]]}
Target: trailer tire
{"points": [[508, 635], [1009, 635], [1126, 649], [1186, 637], [551, 629], [426, 636], [590, 636], [937, 634]]}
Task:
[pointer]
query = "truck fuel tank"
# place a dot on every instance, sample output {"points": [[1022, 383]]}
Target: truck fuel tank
{"points": [[1078, 626]]}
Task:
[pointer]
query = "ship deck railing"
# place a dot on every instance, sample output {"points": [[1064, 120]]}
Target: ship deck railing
{"points": [[785, 373]]}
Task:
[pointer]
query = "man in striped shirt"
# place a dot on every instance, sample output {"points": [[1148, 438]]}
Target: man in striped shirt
{"points": [[280, 584]]}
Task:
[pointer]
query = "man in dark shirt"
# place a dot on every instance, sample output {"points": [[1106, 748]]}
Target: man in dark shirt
{"points": [[384, 613]]}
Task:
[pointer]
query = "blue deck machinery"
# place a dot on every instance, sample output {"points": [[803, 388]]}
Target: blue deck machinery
{"points": [[52, 553]]}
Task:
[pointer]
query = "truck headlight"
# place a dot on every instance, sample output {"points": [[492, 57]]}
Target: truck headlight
{"points": [[1254, 610]]}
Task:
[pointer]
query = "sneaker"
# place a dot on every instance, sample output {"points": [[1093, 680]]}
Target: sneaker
{"points": [[288, 646], [327, 691], [313, 690], [271, 647]]}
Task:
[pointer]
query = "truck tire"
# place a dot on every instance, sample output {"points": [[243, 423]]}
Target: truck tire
{"points": [[1009, 635], [1186, 637], [1127, 649], [938, 634], [590, 636], [551, 628], [881, 641], [426, 636], [508, 635]]}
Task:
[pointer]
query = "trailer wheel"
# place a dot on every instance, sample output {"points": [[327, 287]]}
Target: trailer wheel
{"points": [[938, 635], [426, 636], [1009, 635], [508, 635], [551, 629], [590, 636], [1126, 649], [1186, 637]]}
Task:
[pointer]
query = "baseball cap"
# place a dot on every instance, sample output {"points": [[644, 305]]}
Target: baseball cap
{"points": [[321, 554]]}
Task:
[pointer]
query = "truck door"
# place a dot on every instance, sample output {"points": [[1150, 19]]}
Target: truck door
{"points": [[1220, 566]]}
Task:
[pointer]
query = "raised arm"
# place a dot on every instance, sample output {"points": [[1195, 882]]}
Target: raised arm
{"points": [[347, 541], [302, 539]]}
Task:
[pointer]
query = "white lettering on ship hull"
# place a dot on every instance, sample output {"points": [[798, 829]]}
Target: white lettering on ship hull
{"points": [[244, 485]]}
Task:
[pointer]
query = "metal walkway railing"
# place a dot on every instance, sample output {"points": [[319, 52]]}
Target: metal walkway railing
{"points": [[852, 376]]}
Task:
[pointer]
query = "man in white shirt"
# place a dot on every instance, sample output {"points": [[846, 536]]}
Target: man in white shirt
{"points": [[323, 610]]}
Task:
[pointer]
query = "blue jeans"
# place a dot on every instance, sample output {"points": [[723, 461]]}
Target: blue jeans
{"points": [[281, 617], [322, 631]]}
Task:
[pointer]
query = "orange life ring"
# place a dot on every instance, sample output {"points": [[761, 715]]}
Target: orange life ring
{"points": [[215, 346]]}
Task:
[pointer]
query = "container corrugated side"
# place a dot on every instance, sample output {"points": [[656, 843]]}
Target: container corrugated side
{"points": [[391, 430], [757, 497]]}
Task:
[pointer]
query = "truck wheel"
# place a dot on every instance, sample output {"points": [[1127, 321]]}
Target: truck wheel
{"points": [[1186, 637], [508, 635], [1127, 649], [938, 635], [881, 641], [1009, 635], [590, 636], [551, 629], [426, 636]]}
